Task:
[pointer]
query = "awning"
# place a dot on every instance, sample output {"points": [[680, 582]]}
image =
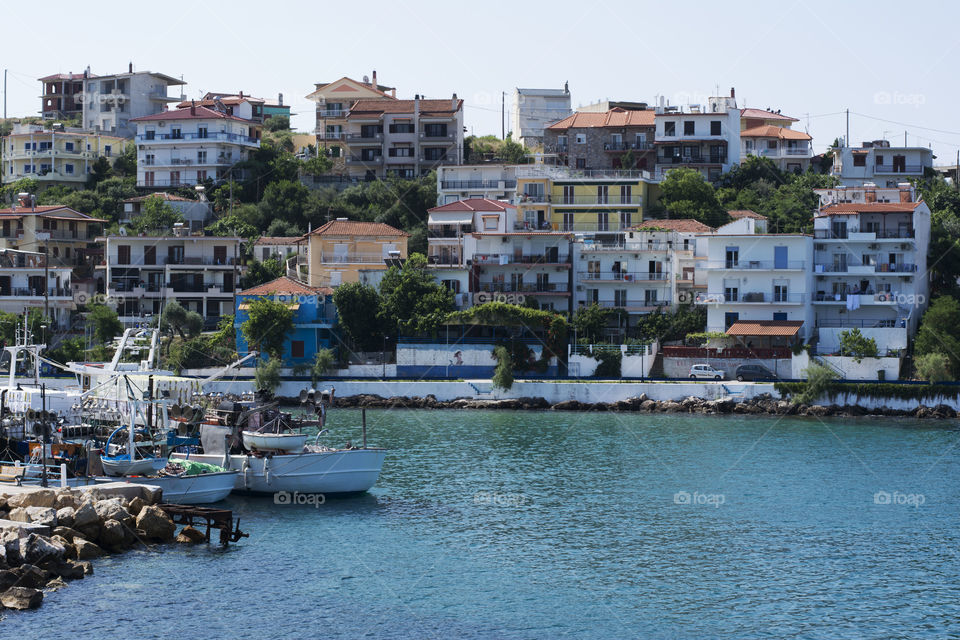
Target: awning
{"points": [[787, 328], [450, 217]]}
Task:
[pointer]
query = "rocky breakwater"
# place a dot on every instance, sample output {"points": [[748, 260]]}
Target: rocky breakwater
{"points": [[49, 537], [764, 404]]}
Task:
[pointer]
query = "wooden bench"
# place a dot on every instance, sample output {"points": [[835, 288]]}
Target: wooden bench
{"points": [[10, 473]]}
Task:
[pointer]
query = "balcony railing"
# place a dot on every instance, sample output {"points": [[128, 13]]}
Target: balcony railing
{"points": [[612, 199], [353, 258], [863, 236], [378, 159], [865, 298], [751, 297], [478, 184], [639, 305], [512, 258], [364, 137], [627, 146], [509, 287], [883, 267], [625, 276], [889, 168], [33, 292], [741, 265], [620, 246], [331, 135], [221, 136], [566, 173], [702, 159], [441, 137], [332, 113]]}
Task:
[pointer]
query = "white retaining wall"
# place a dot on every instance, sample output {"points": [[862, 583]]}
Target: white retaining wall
{"points": [[680, 367]]}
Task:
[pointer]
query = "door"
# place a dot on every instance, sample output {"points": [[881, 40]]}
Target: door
{"points": [[150, 255], [228, 283], [779, 316], [729, 318], [123, 254], [220, 254], [779, 257], [340, 251]]}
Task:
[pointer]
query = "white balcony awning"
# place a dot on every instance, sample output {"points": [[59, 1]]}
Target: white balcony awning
{"points": [[450, 217]]}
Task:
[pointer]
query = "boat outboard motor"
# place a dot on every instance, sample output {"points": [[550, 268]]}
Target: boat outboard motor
{"points": [[228, 413]]}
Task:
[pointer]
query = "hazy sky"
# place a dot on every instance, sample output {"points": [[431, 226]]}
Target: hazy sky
{"points": [[893, 64]]}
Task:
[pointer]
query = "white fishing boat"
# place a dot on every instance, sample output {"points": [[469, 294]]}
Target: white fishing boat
{"points": [[202, 488], [287, 442], [122, 465]]}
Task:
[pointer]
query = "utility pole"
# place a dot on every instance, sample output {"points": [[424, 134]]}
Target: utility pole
{"points": [[503, 115], [4, 94], [846, 142], [904, 138]]}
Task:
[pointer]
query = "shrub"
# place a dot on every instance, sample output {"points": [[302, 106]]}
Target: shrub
{"points": [[323, 362], [267, 376], [503, 374], [609, 362], [855, 344], [819, 378], [933, 367]]}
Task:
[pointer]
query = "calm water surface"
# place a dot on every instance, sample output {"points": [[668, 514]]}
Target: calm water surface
{"points": [[552, 525]]}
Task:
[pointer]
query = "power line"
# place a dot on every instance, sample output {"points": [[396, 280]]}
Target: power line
{"points": [[904, 124]]}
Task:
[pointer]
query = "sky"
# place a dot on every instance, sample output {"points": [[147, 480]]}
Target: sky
{"points": [[892, 64]]}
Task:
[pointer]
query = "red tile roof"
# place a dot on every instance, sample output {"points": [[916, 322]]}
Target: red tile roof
{"points": [[869, 207], [770, 131], [615, 117], [210, 102], [64, 76], [46, 210], [356, 228], [197, 113], [277, 240], [427, 107], [786, 328], [736, 214], [473, 204], [283, 284], [764, 115], [683, 225], [381, 89]]}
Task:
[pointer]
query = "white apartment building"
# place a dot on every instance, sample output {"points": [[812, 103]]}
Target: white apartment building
{"points": [[142, 273], [276, 247], [870, 264], [478, 181], [22, 288], [188, 146], [534, 109], [195, 212], [111, 102], [879, 163], [753, 276], [55, 156], [702, 137], [768, 134]]}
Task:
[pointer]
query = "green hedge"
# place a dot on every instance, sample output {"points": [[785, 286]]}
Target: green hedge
{"points": [[881, 390]]}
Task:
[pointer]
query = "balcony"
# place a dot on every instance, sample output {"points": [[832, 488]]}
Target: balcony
{"points": [[610, 200], [699, 159], [353, 258], [478, 184], [626, 146], [191, 261], [882, 299], [751, 297], [370, 160], [330, 135], [431, 138], [507, 259], [864, 269], [586, 175], [624, 276], [642, 306], [444, 159], [364, 138], [32, 292], [854, 235], [332, 113], [509, 287], [894, 169], [750, 265], [620, 246], [215, 136]]}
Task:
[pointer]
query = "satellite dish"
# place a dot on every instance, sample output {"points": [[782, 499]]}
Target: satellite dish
{"points": [[123, 231], [303, 396], [174, 411]]}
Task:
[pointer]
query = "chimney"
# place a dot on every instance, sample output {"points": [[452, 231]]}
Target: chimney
{"points": [[733, 92], [130, 68], [193, 107], [906, 191], [280, 99], [416, 105], [241, 94], [869, 194], [453, 102], [393, 93], [373, 82]]}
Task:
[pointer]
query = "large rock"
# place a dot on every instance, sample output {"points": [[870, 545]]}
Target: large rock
{"points": [[35, 549], [87, 567], [19, 514], [112, 510], [31, 576], [46, 516], [66, 516], [11, 547], [66, 569], [135, 505], [38, 498], [7, 579], [86, 549], [21, 598], [66, 499], [189, 535], [155, 523], [66, 533], [85, 515], [111, 535]]}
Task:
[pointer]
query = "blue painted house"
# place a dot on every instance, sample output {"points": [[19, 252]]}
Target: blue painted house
{"points": [[314, 316]]}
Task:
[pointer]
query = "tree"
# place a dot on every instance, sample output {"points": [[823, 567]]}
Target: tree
{"points": [[323, 363], [99, 171], [284, 200], [260, 272], [856, 345], [126, 163], [176, 318], [940, 332], [358, 305], [511, 152], [112, 192], [267, 375], [819, 378], [685, 193], [267, 327], [412, 302], [589, 322], [933, 367], [277, 123], [156, 215], [316, 165], [282, 228], [503, 374], [105, 322]]}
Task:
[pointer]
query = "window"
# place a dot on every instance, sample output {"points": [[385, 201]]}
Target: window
{"points": [[370, 154], [148, 178], [201, 175], [603, 221], [859, 160], [626, 219], [107, 150], [68, 146], [669, 128], [201, 157], [149, 159], [650, 297], [580, 138], [150, 255], [202, 131], [689, 128], [779, 292], [402, 127], [715, 127], [568, 222], [435, 130], [68, 169], [176, 133], [732, 256], [603, 194], [620, 297], [489, 223], [730, 293], [123, 254], [149, 134], [561, 142], [772, 145], [626, 194], [401, 152], [581, 163], [296, 348], [568, 194], [174, 178]]}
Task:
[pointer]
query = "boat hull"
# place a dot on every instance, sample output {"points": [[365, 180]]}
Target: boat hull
{"points": [[203, 488], [124, 467], [288, 442], [328, 472]]}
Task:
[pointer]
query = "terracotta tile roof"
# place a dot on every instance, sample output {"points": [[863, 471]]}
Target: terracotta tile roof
{"points": [[770, 131], [683, 225], [427, 107], [198, 113], [356, 228], [473, 204], [228, 100], [786, 328], [380, 88], [764, 115], [283, 284], [615, 117], [869, 207], [46, 210], [277, 240], [736, 214], [65, 76], [162, 194]]}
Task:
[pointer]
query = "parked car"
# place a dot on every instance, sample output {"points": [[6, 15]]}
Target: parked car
{"points": [[706, 371], [752, 372]]}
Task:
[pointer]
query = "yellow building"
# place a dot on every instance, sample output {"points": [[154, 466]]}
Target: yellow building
{"points": [[582, 201], [51, 156], [68, 236], [349, 251]]}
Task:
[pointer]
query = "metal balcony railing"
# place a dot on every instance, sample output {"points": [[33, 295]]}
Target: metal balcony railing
{"points": [[740, 265], [625, 276]]}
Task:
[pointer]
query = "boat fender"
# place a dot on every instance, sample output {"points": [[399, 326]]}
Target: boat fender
{"points": [[266, 469], [246, 476]]}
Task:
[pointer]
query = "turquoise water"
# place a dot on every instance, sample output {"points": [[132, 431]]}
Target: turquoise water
{"points": [[553, 525]]}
